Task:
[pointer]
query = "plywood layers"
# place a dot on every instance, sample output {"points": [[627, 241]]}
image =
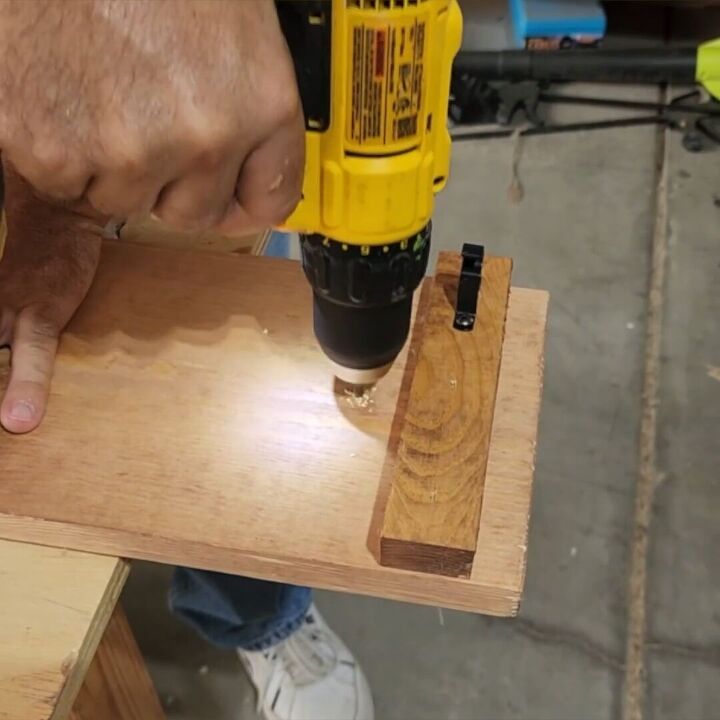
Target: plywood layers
{"points": [[117, 685]]}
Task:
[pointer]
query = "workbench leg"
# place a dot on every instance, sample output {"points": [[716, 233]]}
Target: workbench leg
{"points": [[117, 685]]}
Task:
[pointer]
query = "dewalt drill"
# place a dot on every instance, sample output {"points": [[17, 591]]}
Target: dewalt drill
{"points": [[374, 79]]}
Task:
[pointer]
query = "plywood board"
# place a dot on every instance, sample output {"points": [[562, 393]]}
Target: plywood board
{"points": [[117, 685], [432, 518], [54, 606], [193, 421]]}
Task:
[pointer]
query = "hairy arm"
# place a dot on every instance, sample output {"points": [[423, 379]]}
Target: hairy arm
{"points": [[187, 109]]}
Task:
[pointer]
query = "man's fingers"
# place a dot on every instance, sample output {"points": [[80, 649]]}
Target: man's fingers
{"points": [[238, 223], [34, 345], [199, 200], [270, 182], [52, 170], [120, 195]]}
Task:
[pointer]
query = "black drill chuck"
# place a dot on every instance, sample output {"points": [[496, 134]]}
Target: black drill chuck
{"points": [[362, 296]]}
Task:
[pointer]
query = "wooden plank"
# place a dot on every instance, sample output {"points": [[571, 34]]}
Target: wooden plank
{"points": [[193, 421], [432, 518], [117, 685], [54, 606]]}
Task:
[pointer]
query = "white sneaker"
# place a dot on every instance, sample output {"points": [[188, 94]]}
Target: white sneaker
{"points": [[309, 676]]}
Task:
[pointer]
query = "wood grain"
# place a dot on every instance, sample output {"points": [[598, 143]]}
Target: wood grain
{"points": [[432, 516], [54, 606], [193, 421], [117, 685]]}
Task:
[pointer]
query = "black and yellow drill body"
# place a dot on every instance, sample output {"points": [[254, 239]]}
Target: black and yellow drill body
{"points": [[374, 77]]}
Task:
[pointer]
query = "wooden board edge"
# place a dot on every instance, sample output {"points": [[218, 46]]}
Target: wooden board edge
{"points": [[76, 674], [498, 485], [435, 590], [117, 684], [543, 307]]}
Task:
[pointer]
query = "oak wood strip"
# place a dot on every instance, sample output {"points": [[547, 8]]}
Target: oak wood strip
{"points": [[117, 685], [432, 516], [193, 421], [54, 606]]}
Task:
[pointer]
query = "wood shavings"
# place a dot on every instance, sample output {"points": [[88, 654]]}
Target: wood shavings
{"points": [[362, 399]]}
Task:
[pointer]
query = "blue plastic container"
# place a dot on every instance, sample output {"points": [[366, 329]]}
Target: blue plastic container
{"points": [[557, 23]]}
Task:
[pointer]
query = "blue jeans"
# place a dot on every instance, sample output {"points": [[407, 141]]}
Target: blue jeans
{"points": [[231, 611]]}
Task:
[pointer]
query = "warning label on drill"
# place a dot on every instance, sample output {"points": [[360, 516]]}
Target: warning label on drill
{"points": [[386, 66]]}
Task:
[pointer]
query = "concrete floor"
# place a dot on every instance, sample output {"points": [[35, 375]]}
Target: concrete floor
{"points": [[584, 231]]}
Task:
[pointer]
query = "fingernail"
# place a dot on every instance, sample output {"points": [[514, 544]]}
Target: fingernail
{"points": [[22, 411]]}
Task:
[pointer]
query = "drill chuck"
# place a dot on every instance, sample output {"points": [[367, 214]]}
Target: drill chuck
{"points": [[362, 299]]}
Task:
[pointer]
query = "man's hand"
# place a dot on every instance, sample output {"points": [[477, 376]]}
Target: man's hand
{"points": [[189, 110], [49, 262]]}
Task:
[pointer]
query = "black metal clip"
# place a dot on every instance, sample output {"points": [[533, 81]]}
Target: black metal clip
{"points": [[469, 286]]}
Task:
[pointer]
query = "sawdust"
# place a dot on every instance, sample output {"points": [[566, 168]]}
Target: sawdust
{"points": [[713, 372], [360, 398]]}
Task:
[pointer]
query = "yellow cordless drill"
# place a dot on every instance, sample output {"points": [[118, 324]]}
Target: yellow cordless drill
{"points": [[374, 78]]}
